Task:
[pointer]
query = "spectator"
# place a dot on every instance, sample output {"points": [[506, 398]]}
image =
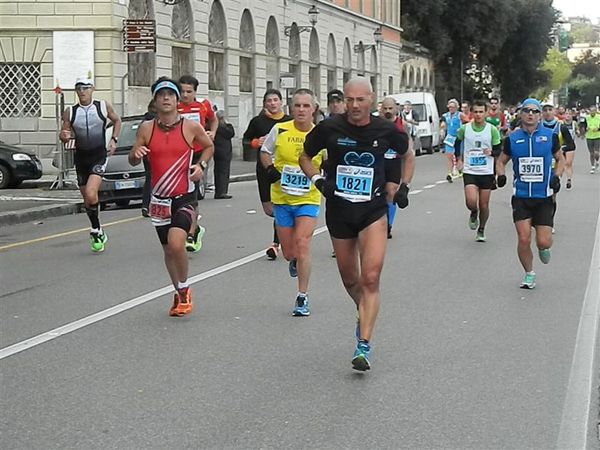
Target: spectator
{"points": [[222, 157]]}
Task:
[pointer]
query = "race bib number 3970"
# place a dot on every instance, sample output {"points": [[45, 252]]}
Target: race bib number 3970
{"points": [[531, 169]]}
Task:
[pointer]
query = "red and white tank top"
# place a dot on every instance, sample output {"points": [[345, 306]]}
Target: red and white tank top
{"points": [[170, 157]]}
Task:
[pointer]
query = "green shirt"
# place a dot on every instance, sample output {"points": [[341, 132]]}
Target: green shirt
{"points": [[495, 133], [593, 127]]}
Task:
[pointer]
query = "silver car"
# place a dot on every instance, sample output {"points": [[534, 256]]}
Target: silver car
{"points": [[121, 181]]}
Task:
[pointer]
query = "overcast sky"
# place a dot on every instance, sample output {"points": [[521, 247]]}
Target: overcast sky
{"points": [[586, 8]]}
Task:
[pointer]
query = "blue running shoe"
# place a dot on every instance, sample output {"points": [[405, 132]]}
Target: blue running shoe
{"points": [[301, 308], [357, 329], [544, 254], [360, 360], [293, 269]]}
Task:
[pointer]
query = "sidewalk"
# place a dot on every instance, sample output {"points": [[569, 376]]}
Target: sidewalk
{"points": [[34, 200]]}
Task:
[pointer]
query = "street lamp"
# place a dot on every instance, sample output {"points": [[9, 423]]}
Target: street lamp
{"points": [[377, 37], [313, 15]]}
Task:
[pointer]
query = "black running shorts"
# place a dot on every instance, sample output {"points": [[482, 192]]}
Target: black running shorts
{"points": [[264, 185], [481, 181], [183, 215], [539, 210], [86, 167], [345, 220]]}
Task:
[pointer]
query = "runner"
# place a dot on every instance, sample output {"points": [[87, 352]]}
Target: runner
{"points": [[295, 200], [481, 142], [495, 116], [200, 111], [466, 115], [592, 136], [531, 148], [356, 205], [168, 143], [449, 125], [389, 109], [86, 122], [335, 103], [253, 138], [567, 144]]}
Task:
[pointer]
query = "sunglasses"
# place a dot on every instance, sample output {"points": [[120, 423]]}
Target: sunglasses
{"points": [[530, 111]]}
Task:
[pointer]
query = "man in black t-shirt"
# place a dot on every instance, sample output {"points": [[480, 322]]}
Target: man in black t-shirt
{"points": [[354, 186]]}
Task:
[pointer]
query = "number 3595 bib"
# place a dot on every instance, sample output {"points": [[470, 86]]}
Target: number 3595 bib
{"points": [[293, 181], [531, 169], [354, 183]]}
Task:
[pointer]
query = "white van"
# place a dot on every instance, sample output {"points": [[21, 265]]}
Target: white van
{"points": [[428, 131]]}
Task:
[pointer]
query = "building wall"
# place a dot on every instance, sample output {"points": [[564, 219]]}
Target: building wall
{"points": [[26, 37]]}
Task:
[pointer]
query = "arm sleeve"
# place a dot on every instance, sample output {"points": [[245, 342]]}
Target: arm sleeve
{"points": [[506, 147], [569, 143], [555, 143], [269, 144], [496, 149], [315, 140], [250, 133]]}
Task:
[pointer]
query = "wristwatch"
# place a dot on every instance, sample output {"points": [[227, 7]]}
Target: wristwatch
{"points": [[114, 139], [203, 164]]}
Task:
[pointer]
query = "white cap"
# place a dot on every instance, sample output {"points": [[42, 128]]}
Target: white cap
{"points": [[84, 81], [547, 103]]}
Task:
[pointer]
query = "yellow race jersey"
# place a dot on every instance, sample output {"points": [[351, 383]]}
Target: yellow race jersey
{"points": [[286, 143]]}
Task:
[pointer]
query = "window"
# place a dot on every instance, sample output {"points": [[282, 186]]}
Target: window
{"points": [[216, 73], [346, 77], [181, 62], [314, 80], [141, 69], [20, 85], [246, 74], [331, 79], [390, 85]]}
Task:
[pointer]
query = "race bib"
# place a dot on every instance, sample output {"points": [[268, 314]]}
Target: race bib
{"points": [[354, 183], [195, 116], [160, 211], [450, 140], [531, 170], [477, 158], [293, 181]]}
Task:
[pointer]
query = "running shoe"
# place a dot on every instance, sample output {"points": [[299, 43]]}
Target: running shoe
{"points": [[182, 303], [473, 220], [333, 253], [449, 178], [593, 169], [544, 254], [97, 241], [272, 251], [357, 328], [360, 360], [389, 235], [528, 281], [301, 308], [194, 243], [480, 236], [569, 185], [460, 174], [145, 212], [293, 268]]}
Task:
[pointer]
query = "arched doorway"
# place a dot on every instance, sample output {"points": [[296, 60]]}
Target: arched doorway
{"points": [[217, 39], [347, 61], [331, 63], [246, 77], [314, 57], [272, 52], [141, 67], [182, 31]]}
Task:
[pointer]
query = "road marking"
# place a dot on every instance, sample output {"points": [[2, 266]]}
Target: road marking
{"points": [[441, 181], [121, 307], [429, 186], [66, 233], [577, 407], [416, 191], [42, 199]]}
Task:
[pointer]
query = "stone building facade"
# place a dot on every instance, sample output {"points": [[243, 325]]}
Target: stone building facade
{"points": [[236, 48]]}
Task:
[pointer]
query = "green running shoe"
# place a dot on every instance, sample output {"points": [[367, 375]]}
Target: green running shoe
{"points": [[480, 236], [528, 281], [194, 243], [473, 220], [544, 254], [97, 241], [360, 360]]}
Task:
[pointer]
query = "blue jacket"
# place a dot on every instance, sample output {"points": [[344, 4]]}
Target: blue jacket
{"points": [[531, 156]]}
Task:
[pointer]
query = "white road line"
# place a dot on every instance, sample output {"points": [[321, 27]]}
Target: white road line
{"points": [[41, 199], [429, 186], [416, 191], [573, 432], [104, 314], [441, 182]]}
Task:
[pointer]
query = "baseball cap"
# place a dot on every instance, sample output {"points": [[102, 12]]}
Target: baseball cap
{"points": [[531, 101], [83, 81], [335, 95], [547, 103]]}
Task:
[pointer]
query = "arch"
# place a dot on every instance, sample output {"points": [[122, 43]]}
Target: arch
{"points": [[294, 43], [403, 79], [182, 21], [314, 52], [331, 51], [347, 55], [411, 77], [272, 38], [431, 80], [373, 66], [247, 40], [360, 58], [217, 25], [425, 78], [418, 80]]}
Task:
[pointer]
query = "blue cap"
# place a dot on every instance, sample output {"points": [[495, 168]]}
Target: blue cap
{"points": [[531, 101], [166, 85]]}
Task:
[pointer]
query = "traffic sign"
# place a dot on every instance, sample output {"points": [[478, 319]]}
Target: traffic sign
{"points": [[139, 35]]}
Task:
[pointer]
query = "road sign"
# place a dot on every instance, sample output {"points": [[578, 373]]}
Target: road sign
{"points": [[139, 35]]}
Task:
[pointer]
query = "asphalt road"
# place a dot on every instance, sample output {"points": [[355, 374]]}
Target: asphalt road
{"points": [[462, 358]]}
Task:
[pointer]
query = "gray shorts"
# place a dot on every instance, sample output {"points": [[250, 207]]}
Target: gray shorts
{"points": [[593, 145]]}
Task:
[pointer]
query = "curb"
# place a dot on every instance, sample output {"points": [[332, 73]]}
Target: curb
{"points": [[42, 212]]}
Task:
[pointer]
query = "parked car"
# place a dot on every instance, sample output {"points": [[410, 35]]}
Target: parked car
{"points": [[17, 165], [121, 181], [428, 130]]}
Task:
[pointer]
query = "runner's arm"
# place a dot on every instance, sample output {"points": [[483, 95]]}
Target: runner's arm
{"points": [[65, 130], [558, 156], [267, 150], [200, 136], [313, 144], [139, 149], [568, 139]]}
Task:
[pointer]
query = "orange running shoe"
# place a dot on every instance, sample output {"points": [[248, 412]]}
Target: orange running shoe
{"points": [[184, 303], [173, 310]]}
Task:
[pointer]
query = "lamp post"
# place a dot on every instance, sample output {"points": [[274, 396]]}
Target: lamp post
{"points": [[313, 17]]}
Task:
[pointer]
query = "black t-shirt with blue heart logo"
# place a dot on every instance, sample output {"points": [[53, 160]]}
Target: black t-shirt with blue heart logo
{"points": [[356, 155]]}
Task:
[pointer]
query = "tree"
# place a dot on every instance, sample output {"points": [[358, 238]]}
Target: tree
{"points": [[583, 33], [558, 68], [587, 65]]}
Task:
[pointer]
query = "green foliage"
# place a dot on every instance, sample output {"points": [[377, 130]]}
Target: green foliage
{"points": [[584, 33], [588, 65], [558, 67]]}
